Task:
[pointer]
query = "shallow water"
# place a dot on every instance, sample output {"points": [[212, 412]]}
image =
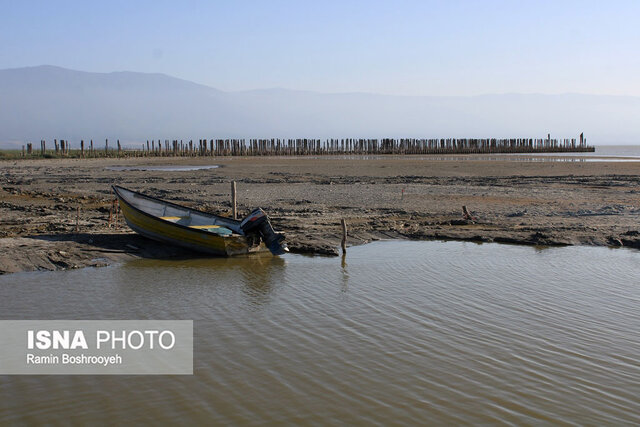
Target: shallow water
{"points": [[603, 153], [399, 332], [169, 168]]}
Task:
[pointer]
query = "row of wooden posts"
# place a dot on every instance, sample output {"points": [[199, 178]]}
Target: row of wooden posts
{"points": [[303, 146]]}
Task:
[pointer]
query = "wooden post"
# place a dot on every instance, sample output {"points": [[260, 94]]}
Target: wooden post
{"points": [[234, 208], [344, 236], [116, 203], [82, 148]]}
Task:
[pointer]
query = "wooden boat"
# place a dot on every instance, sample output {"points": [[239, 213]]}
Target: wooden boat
{"points": [[200, 231]]}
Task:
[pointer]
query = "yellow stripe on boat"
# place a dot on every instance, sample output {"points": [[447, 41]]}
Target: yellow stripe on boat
{"points": [[207, 241]]}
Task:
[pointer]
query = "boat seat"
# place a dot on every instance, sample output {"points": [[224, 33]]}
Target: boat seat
{"points": [[173, 218], [211, 228], [216, 229]]}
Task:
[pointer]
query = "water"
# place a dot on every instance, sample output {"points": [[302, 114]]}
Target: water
{"points": [[398, 333], [629, 151], [169, 168], [603, 153]]}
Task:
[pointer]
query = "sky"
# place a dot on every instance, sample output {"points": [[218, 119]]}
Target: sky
{"points": [[452, 47]]}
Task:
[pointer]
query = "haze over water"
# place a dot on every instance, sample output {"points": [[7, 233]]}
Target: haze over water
{"points": [[401, 332]]}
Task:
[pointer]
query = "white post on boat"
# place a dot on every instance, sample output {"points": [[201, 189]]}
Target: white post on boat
{"points": [[234, 209]]}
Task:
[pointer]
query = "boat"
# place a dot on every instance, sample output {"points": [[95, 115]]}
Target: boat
{"points": [[196, 230]]}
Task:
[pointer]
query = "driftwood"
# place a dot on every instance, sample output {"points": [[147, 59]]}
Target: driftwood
{"points": [[467, 215]]}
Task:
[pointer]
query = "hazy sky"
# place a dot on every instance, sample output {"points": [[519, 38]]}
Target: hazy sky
{"points": [[392, 47]]}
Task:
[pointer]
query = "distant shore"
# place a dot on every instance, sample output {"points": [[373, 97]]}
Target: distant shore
{"points": [[537, 203]]}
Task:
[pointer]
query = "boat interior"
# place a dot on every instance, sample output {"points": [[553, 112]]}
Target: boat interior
{"points": [[188, 222]]}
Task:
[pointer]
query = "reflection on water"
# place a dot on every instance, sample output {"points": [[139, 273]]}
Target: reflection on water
{"points": [[345, 273], [256, 276], [395, 332]]}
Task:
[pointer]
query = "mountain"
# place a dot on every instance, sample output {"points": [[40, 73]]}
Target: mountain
{"points": [[49, 102]]}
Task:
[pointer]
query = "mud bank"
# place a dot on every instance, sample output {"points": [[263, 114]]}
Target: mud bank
{"points": [[55, 213]]}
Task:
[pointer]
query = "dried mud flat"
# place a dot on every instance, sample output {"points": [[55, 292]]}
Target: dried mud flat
{"points": [[525, 202]]}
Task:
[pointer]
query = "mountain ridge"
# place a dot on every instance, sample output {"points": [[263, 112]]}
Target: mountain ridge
{"points": [[47, 102]]}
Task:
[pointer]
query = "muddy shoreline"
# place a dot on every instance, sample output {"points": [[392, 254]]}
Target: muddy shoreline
{"points": [[392, 197]]}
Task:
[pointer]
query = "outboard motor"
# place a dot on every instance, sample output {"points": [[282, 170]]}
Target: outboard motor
{"points": [[258, 222]]}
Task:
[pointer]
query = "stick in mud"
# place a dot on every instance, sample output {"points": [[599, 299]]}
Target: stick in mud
{"points": [[116, 202], [234, 208], [467, 214], [344, 236]]}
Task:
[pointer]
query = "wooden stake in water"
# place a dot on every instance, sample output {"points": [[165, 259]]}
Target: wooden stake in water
{"points": [[234, 208], [344, 235]]}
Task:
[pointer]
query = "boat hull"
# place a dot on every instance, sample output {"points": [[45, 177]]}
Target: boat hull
{"points": [[161, 230]]}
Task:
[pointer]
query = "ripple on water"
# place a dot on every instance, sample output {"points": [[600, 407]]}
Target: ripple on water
{"points": [[401, 332]]}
